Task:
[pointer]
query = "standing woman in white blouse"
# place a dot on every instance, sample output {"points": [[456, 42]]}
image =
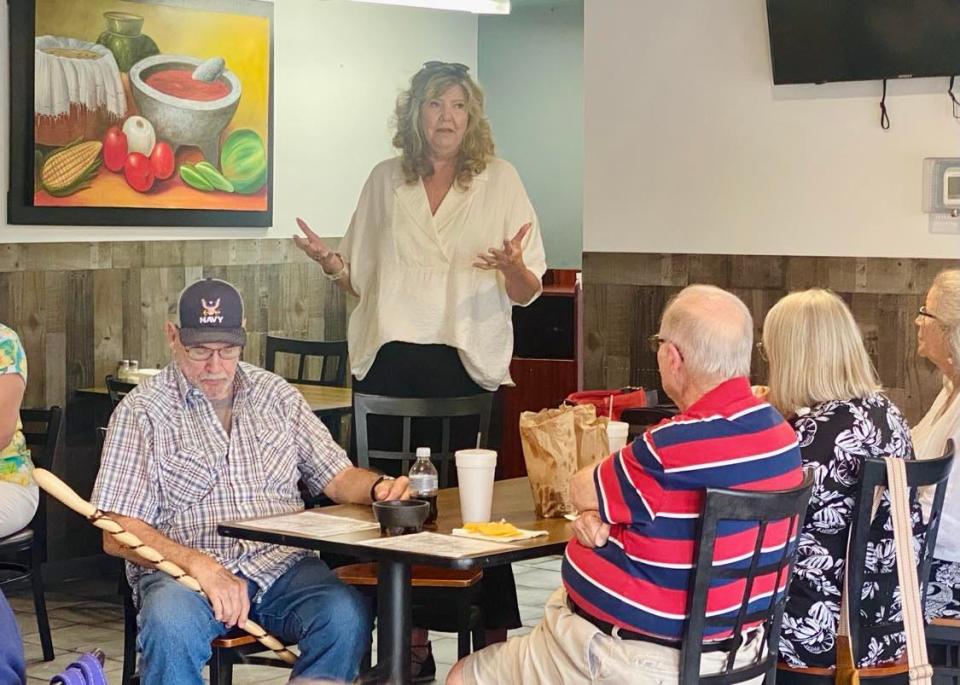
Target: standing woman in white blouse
{"points": [[938, 339], [443, 243]]}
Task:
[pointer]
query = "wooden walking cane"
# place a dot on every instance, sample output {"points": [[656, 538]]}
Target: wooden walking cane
{"points": [[62, 492]]}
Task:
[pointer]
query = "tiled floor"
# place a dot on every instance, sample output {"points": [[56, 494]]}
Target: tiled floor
{"points": [[87, 614]]}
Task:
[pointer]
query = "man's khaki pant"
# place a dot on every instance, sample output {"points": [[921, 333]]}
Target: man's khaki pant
{"points": [[567, 649]]}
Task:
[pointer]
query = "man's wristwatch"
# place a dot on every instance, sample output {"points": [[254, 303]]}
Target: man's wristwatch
{"points": [[373, 488]]}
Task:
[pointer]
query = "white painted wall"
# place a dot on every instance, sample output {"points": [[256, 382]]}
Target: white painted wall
{"points": [[338, 67], [690, 148]]}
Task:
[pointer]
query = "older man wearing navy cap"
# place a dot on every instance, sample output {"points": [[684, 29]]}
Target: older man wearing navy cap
{"points": [[209, 439]]}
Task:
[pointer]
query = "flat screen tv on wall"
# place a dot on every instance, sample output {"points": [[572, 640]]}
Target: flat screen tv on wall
{"points": [[815, 41]]}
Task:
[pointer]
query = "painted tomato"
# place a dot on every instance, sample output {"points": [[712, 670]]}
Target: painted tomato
{"points": [[162, 161], [138, 172], [114, 148]]}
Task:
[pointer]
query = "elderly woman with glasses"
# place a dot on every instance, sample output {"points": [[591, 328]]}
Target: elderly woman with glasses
{"points": [[443, 243], [938, 340], [822, 380]]}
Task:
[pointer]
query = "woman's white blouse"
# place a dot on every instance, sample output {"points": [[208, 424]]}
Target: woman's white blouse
{"points": [[414, 271], [929, 439]]}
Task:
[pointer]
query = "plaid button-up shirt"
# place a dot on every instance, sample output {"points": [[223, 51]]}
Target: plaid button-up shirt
{"points": [[168, 462]]}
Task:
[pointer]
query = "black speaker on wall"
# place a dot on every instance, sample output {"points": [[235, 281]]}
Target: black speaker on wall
{"points": [[545, 329]]}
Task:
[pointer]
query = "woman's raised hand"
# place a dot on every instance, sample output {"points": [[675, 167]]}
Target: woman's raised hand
{"points": [[314, 248], [510, 258]]}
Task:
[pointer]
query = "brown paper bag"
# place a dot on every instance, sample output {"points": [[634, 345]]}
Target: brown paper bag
{"points": [[553, 440], [592, 443]]}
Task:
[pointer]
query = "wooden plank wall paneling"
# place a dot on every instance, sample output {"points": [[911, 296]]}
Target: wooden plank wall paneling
{"points": [[81, 307], [624, 295]]}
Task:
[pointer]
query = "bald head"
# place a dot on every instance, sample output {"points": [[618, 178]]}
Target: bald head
{"points": [[712, 329]]}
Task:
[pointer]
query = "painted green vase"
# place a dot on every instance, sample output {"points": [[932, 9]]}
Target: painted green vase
{"points": [[124, 40]]}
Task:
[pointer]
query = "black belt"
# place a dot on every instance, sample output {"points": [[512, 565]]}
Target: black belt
{"points": [[623, 634]]}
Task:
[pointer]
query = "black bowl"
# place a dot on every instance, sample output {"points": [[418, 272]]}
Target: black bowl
{"points": [[401, 516]]}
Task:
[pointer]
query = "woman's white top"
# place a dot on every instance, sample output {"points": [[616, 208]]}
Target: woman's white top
{"points": [[929, 439], [414, 271]]}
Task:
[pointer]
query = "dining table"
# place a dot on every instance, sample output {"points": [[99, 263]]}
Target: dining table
{"points": [[324, 400], [436, 546]]}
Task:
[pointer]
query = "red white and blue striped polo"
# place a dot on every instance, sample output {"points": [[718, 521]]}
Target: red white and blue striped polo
{"points": [[651, 493]]}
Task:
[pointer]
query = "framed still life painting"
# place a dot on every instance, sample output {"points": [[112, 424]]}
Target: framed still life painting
{"points": [[141, 112]]}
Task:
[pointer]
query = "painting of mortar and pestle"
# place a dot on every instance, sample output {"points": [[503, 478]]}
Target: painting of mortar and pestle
{"points": [[190, 102]]}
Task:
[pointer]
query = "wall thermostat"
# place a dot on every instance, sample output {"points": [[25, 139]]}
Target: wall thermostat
{"points": [[941, 193], [951, 187]]}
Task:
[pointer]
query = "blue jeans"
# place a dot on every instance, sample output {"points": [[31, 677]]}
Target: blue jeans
{"points": [[307, 605]]}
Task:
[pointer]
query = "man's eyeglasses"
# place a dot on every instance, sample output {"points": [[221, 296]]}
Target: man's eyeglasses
{"points": [[655, 341], [451, 66], [202, 354], [923, 312]]}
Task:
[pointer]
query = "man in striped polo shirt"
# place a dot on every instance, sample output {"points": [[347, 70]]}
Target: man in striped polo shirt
{"points": [[619, 616]]}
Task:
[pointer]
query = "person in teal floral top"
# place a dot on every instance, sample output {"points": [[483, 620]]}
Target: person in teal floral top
{"points": [[18, 493]]}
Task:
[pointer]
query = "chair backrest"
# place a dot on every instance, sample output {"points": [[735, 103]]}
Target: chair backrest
{"points": [[781, 510], [333, 370], [41, 431], [641, 418], [409, 408], [117, 389], [873, 475]]}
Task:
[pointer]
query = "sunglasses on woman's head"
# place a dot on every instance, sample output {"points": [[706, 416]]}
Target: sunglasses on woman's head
{"points": [[452, 66]]}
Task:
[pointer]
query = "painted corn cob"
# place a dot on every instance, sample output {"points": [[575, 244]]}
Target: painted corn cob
{"points": [[71, 168]]}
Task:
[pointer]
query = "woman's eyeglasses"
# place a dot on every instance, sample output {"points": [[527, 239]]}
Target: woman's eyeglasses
{"points": [[762, 351], [450, 66], [923, 312], [202, 354]]}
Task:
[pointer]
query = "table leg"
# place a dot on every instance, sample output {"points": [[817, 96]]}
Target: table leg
{"points": [[393, 621]]}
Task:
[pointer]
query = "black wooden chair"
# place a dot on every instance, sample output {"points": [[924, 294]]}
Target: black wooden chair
{"points": [[28, 547], [117, 389], [943, 634], [409, 409], [333, 369], [641, 418], [436, 590], [873, 475], [765, 509]]}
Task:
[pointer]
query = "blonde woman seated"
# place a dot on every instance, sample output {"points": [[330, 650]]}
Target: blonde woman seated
{"points": [[823, 382], [938, 340]]}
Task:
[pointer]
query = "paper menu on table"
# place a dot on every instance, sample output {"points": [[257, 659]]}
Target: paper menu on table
{"points": [[437, 545], [311, 524]]}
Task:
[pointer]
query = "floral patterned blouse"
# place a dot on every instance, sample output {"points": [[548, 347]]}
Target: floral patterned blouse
{"points": [[835, 437], [15, 462]]}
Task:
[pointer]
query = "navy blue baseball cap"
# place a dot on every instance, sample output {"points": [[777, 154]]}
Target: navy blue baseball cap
{"points": [[211, 311]]}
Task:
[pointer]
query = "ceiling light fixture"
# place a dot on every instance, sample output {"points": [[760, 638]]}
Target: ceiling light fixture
{"points": [[474, 6]]}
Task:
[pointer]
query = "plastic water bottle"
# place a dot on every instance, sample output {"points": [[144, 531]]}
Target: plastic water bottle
{"points": [[424, 481]]}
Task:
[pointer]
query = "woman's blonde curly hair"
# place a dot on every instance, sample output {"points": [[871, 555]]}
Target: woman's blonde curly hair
{"points": [[476, 149]]}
